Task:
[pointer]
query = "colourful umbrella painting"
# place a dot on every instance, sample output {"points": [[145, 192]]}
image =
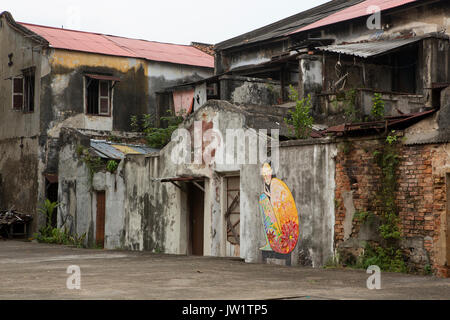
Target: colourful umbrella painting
{"points": [[279, 214]]}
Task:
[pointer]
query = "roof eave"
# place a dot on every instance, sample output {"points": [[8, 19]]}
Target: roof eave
{"points": [[25, 31]]}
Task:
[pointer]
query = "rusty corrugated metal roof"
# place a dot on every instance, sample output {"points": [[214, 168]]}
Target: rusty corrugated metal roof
{"points": [[353, 12], [116, 151], [280, 28], [124, 47], [388, 123], [370, 49]]}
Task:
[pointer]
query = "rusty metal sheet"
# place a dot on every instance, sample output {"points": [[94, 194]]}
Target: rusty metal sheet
{"points": [[370, 49], [107, 150], [353, 12], [118, 46]]}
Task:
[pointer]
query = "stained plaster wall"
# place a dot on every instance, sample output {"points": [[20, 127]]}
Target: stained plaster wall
{"points": [[19, 131], [77, 195], [156, 216]]}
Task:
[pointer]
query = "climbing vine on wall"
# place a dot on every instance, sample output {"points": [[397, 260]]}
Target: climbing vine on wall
{"points": [[93, 163], [387, 254]]}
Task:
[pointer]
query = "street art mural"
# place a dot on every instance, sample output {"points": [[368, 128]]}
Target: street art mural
{"points": [[279, 214]]}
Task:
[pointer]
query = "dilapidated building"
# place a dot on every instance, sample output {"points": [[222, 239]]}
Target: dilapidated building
{"points": [[346, 57], [328, 194], [55, 78]]}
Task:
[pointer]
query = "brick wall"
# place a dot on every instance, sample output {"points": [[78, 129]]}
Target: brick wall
{"points": [[421, 199]]}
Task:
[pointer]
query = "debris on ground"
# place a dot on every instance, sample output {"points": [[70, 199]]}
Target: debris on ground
{"points": [[9, 219]]}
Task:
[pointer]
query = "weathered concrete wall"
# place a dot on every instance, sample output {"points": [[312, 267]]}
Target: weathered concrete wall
{"points": [[19, 176], [249, 91], [19, 131], [308, 170], [156, 213], [64, 91]]}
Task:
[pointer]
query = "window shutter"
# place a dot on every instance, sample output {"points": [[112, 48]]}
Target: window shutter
{"points": [[18, 94], [104, 100]]}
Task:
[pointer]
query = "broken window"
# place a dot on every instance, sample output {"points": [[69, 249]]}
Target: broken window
{"points": [[23, 91], [98, 97]]}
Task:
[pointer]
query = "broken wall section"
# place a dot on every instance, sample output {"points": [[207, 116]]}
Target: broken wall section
{"points": [[421, 200]]}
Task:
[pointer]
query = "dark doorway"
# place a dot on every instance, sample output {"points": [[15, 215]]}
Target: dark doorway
{"points": [[100, 222], [196, 202], [51, 193]]}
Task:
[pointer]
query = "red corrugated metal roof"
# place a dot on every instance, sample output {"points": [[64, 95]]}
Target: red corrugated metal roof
{"points": [[389, 122], [124, 47], [356, 11]]}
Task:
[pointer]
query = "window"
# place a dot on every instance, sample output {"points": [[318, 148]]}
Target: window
{"points": [[98, 97], [23, 91]]}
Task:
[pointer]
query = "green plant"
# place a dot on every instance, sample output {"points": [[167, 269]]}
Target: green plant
{"points": [[48, 234], [114, 138], [61, 237], [300, 122], [112, 166], [363, 216], [378, 106], [392, 138], [158, 137], [135, 124], [388, 254], [333, 262], [47, 209], [428, 270], [389, 259]]}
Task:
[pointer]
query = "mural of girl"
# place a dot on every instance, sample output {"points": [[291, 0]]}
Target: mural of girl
{"points": [[279, 214]]}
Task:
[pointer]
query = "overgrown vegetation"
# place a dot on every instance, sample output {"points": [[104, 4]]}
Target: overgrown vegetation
{"points": [[300, 122], [51, 235], [112, 166], [387, 254], [348, 100], [378, 106], [93, 163], [157, 137], [364, 216]]}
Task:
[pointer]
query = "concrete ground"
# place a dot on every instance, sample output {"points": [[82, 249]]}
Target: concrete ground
{"points": [[36, 271]]}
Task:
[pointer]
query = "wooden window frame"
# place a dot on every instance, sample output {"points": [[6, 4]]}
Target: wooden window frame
{"points": [[28, 92], [17, 94], [100, 97]]}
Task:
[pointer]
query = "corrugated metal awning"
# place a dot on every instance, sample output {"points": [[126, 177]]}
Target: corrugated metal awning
{"points": [[108, 150], [370, 49]]}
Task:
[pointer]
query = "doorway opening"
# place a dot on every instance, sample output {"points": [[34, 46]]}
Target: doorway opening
{"points": [[100, 221], [233, 216], [196, 205], [51, 193]]}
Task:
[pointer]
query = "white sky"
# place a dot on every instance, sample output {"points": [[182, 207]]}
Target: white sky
{"points": [[173, 21]]}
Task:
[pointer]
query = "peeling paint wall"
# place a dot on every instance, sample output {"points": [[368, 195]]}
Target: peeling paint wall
{"points": [[19, 131]]}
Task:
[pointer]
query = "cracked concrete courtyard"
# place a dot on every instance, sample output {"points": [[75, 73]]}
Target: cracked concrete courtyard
{"points": [[32, 271]]}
